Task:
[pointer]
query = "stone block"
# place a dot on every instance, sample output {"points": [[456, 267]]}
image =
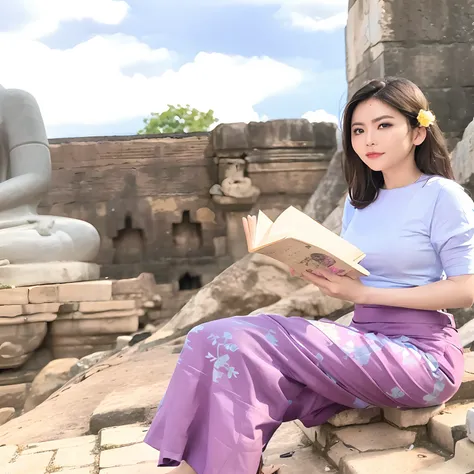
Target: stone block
{"points": [[75, 456], [41, 308], [464, 452], [466, 390], [144, 283], [229, 140], [85, 291], [100, 306], [284, 133], [77, 315], [14, 395], [14, 296], [31, 464], [94, 327], [127, 456], [6, 414], [125, 407], [470, 424], [28, 371], [338, 451], [393, 461], [59, 444], [52, 272], [122, 436], [11, 310], [356, 417], [447, 429], [325, 135], [413, 417], [28, 318], [375, 437], [43, 294], [19, 341]]}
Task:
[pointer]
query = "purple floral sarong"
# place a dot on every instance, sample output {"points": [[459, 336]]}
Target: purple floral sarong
{"points": [[237, 379]]}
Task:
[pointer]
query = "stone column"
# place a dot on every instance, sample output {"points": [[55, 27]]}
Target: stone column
{"points": [[427, 41]]}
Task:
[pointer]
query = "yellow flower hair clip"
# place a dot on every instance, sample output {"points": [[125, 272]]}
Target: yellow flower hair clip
{"points": [[426, 118]]}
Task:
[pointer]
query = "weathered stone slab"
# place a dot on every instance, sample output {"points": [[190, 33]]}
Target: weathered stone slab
{"points": [[122, 436], [78, 316], [414, 417], [6, 453], [28, 318], [85, 291], [14, 395], [143, 468], [31, 464], [127, 456], [75, 456], [125, 408], [394, 461], [51, 272], [101, 306], [59, 444], [93, 327], [43, 294], [356, 417], [375, 437], [448, 428]]}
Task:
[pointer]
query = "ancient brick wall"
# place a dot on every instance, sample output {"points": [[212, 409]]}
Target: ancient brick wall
{"points": [[149, 197], [430, 42]]}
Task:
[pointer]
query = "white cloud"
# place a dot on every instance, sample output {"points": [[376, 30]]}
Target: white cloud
{"points": [[45, 16], [87, 83], [320, 116], [316, 23]]}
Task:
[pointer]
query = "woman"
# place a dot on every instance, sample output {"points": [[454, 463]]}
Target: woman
{"points": [[239, 378]]}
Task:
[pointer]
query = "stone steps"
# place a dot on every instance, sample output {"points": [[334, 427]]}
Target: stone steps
{"points": [[409, 441]]}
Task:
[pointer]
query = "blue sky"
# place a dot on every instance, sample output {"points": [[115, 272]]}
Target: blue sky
{"points": [[98, 67]]}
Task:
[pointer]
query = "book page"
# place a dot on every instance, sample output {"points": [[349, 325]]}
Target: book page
{"points": [[301, 257], [264, 224], [297, 224]]}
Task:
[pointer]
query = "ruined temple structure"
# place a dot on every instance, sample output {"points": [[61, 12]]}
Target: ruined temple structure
{"points": [[172, 205], [427, 41]]}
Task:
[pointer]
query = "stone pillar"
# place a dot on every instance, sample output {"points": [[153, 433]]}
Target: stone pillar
{"points": [[427, 41]]}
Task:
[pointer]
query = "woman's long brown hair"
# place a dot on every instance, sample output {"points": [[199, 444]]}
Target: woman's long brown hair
{"points": [[431, 157]]}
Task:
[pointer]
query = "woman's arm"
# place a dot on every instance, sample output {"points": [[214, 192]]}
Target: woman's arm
{"points": [[455, 292]]}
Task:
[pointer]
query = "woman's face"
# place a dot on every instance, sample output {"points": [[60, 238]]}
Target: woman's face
{"points": [[382, 137]]}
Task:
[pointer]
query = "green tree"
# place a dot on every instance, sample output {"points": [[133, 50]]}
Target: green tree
{"points": [[178, 119]]}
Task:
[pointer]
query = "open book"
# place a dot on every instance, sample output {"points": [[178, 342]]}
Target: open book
{"points": [[300, 242]]}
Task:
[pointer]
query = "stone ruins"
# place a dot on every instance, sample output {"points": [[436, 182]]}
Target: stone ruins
{"points": [[114, 247]]}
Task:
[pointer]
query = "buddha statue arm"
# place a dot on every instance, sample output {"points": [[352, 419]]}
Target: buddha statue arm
{"points": [[28, 151]]}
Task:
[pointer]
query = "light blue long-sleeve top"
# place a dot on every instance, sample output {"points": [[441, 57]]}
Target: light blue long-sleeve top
{"points": [[414, 235]]}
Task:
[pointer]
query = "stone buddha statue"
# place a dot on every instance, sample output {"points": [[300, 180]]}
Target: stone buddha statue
{"points": [[25, 175]]}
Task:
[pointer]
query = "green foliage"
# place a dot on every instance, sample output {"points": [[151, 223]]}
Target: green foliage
{"points": [[178, 119]]}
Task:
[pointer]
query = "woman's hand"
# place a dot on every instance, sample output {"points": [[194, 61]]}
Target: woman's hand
{"points": [[341, 287]]}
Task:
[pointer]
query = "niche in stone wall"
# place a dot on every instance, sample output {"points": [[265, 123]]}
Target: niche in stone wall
{"points": [[187, 235], [190, 282], [129, 244]]}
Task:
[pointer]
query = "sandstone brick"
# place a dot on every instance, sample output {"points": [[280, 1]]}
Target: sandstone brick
{"points": [[99, 306], [31, 464], [43, 294], [123, 313], [6, 414], [394, 461], [122, 435], [14, 296], [6, 453], [356, 417], [41, 308], [125, 407], [75, 456], [60, 443], [449, 427], [127, 456], [414, 417], [11, 310], [375, 437], [85, 291], [28, 318], [338, 451], [93, 327]]}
